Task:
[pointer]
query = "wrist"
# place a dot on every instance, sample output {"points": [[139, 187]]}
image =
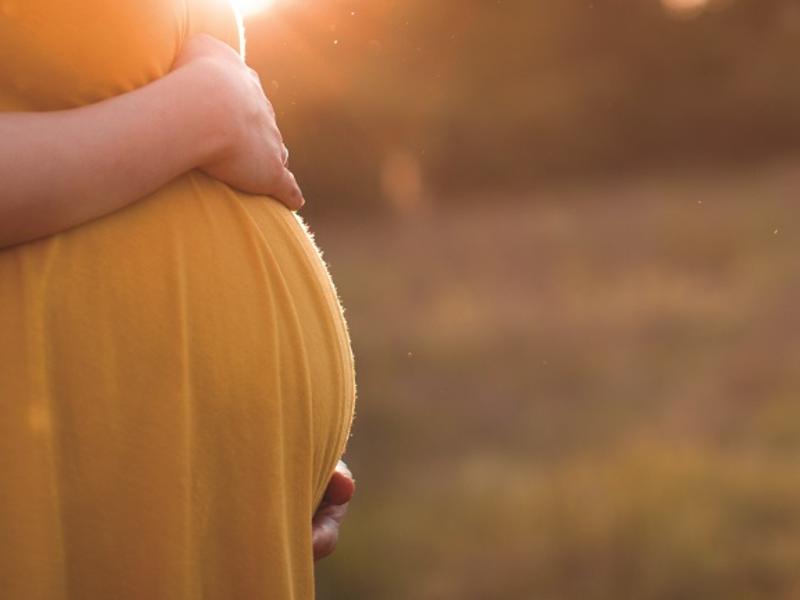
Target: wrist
{"points": [[210, 111]]}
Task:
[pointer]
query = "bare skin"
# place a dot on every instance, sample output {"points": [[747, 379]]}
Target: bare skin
{"points": [[332, 511], [63, 168]]}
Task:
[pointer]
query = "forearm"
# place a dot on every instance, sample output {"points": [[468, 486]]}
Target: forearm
{"points": [[60, 169]]}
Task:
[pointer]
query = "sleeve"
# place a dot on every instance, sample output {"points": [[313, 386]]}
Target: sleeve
{"points": [[56, 55]]}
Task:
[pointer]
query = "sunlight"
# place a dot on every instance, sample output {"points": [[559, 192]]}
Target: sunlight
{"points": [[685, 6], [251, 7]]}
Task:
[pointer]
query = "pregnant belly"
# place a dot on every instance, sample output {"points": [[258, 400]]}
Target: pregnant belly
{"points": [[188, 360]]}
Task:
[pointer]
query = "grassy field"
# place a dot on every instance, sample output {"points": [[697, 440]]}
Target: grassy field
{"points": [[586, 392]]}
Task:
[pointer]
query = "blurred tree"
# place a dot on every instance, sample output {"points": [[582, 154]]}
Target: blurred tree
{"points": [[508, 93]]}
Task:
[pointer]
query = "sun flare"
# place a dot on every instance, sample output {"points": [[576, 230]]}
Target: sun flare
{"points": [[251, 7], [685, 6]]}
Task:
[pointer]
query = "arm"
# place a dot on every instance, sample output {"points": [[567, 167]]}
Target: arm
{"points": [[63, 168], [60, 169]]}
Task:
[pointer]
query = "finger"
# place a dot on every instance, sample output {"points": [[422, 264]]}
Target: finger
{"points": [[341, 489], [285, 155], [333, 513], [325, 536], [325, 530], [341, 467], [287, 191]]}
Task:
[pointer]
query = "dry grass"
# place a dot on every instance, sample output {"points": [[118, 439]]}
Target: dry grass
{"points": [[584, 393]]}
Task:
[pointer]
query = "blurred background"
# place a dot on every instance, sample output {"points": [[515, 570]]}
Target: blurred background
{"points": [[566, 233]]}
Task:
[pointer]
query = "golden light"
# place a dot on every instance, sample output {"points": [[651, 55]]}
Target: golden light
{"points": [[684, 6], [251, 7]]}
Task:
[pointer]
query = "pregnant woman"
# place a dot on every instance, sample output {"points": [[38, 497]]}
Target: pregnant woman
{"points": [[176, 383]]}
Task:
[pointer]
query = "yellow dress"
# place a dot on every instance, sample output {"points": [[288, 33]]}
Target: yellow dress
{"points": [[176, 383]]}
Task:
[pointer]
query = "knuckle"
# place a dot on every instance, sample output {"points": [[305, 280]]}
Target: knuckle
{"points": [[274, 167]]}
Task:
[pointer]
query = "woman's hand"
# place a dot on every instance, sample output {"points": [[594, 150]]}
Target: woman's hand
{"points": [[252, 157], [332, 511]]}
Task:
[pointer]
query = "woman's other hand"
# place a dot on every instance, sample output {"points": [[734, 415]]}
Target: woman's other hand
{"points": [[332, 511], [251, 157]]}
